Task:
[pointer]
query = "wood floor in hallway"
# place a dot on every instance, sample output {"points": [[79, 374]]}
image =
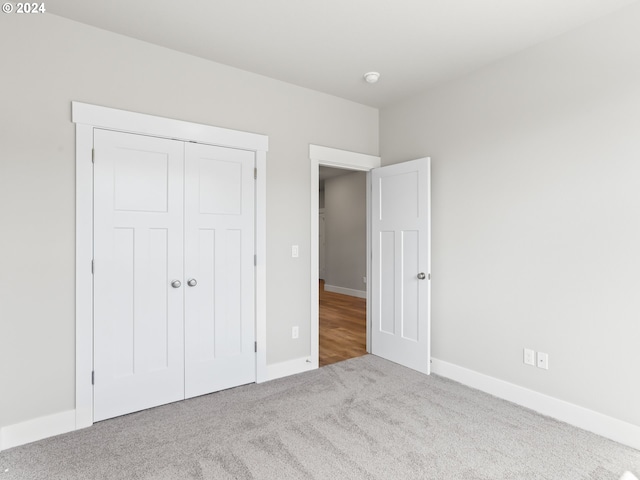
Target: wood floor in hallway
{"points": [[343, 329]]}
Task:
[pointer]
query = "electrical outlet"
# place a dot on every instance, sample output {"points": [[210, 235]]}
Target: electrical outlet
{"points": [[295, 333], [529, 356], [543, 360], [295, 252]]}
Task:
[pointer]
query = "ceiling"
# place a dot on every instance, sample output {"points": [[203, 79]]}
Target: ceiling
{"points": [[327, 45], [330, 172]]}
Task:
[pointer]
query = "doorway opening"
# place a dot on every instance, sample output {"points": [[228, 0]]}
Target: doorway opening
{"points": [[349, 162], [342, 243]]}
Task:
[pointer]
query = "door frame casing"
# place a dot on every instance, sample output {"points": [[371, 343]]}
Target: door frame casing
{"points": [[336, 158], [320, 215], [88, 117]]}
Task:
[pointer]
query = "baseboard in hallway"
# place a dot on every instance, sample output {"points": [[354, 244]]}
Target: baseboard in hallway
{"points": [[345, 291]]}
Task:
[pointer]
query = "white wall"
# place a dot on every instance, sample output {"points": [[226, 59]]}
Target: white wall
{"points": [[345, 200], [50, 61], [536, 213]]}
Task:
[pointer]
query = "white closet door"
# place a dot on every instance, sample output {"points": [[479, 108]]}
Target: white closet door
{"points": [[138, 247], [219, 268], [400, 244]]}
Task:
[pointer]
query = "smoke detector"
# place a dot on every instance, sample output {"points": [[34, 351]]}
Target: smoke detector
{"points": [[371, 77]]}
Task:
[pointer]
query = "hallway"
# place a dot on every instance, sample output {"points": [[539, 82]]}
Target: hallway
{"points": [[343, 326]]}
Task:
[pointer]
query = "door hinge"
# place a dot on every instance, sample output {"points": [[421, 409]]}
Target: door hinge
{"points": [[255, 347], [93, 155], [255, 260], [92, 267], [429, 276], [93, 378], [255, 173]]}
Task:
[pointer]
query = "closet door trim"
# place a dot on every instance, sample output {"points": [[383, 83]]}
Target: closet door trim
{"points": [[88, 117]]}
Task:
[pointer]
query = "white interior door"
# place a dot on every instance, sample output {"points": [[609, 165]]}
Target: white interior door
{"points": [[219, 268], [400, 267], [138, 245]]}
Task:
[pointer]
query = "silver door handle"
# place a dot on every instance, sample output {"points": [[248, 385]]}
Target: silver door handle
{"points": [[421, 276], [192, 282], [176, 284]]}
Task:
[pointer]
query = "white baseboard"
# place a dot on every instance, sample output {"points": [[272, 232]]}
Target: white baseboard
{"points": [[345, 291], [609, 427], [290, 367], [63, 422], [37, 429]]}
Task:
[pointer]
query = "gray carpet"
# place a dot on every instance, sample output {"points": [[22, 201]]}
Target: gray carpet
{"points": [[365, 418]]}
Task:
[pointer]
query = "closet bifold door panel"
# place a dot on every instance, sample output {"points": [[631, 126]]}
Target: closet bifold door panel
{"points": [[174, 313], [219, 269], [138, 248]]}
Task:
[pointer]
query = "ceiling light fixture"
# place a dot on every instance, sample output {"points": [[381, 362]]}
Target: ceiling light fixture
{"points": [[371, 77]]}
